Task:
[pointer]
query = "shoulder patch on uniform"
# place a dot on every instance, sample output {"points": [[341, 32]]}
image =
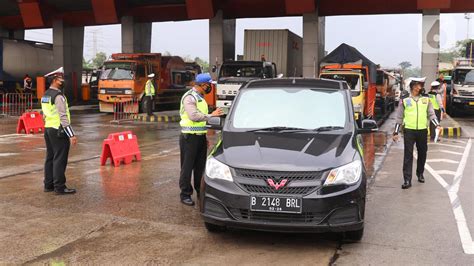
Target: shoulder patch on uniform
{"points": [[408, 102], [45, 99]]}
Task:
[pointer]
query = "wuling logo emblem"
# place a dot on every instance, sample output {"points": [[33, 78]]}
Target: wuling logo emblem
{"points": [[277, 185]]}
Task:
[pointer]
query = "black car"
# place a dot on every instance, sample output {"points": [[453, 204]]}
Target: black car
{"points": [[289, 159]]}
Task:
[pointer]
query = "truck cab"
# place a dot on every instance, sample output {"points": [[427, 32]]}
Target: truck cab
{"points": [[356, 80], [233, 74], [462, 88]]}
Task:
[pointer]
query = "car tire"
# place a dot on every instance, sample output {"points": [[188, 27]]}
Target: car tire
{"points": [[354, 236], [213, 228]]}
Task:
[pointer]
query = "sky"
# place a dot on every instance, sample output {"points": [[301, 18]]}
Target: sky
{"points": [[385, 39]]}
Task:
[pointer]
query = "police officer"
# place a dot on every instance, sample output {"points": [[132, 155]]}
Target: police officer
{"points": [[149, 94], [192, 141], [437, 103], [413, 114], [58, 134]]}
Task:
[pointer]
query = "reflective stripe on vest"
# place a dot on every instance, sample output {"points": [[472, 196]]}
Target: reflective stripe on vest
{"points": [[50, 112], [187, 125], [149, 88], [416, 113], [434, 101]]}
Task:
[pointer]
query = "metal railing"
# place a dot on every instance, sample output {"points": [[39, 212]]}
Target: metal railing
{"points": [[15, 104], [126, 110]]}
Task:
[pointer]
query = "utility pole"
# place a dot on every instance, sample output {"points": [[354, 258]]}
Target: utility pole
{"points": [[94, 43], [468, 17]]}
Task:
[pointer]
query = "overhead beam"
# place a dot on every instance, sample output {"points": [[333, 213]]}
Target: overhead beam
{"points": [[433, 4], [300, 7], [105, 11], [157, 13], [30, 11], [200, 9]]}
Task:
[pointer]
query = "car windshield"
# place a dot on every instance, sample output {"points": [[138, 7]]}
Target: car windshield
{"points": [[464, 76], [289, 108], [118, 70], [352, 80], [228, 71]]}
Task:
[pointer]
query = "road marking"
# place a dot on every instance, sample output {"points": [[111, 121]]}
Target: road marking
{"points": [[447, 145], [442, 161], [463, 229], [6, 154], [446, 172], [441, 151]]}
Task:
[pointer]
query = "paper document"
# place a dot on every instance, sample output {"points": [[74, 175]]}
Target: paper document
{"points": [[438, 132]]}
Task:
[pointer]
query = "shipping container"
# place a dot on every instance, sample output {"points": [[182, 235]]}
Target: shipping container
{"points": [[282, 47], [19, 57]]}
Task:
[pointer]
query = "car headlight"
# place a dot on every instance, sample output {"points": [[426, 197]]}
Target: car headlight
{"points": [[129, 92], [357, 108], [218, 170], [348, 174], [102, 91]]}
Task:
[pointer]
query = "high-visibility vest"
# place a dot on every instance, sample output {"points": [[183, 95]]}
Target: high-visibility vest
{"points": [[50, 112], [187, 125], [434, 101], [149, 88], [415, 113]]}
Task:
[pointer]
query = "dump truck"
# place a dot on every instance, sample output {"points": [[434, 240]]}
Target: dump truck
{"points": [[124, 77], [461, 98], [348, 64], [19, 57], [385, 97]]}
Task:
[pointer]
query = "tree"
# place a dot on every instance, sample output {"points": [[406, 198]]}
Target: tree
{"points": [[86, 64], [204, 64], [99, 59], [405, 65]]}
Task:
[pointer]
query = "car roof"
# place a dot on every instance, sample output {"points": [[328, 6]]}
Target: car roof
{"points": [[297, 83]]}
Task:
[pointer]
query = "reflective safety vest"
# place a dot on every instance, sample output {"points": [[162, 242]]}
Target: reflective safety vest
{"points": [[149, 88], [50, 112], [187, 125], [415, 113], [434, 101]]}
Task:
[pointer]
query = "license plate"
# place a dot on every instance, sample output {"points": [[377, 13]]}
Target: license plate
{"points": [[276, 204], [471, 103]]}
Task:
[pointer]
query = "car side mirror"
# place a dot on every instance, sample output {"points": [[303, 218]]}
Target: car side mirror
{"points": [[368, 125], [214, 69], [366, 85], [215, 122]]}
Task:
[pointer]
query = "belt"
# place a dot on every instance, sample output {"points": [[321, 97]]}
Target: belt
{"points": [[195, 134]]}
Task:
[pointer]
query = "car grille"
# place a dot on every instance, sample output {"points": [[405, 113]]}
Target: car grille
{"points": [[115, 90], [290, 176], [305, 217], [466, 93], [285, 190], [255, 181]]}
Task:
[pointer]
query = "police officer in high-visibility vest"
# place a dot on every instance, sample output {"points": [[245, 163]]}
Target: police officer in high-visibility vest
{"points": [[149, 94], [192, 141], [413, 113], [437, 103], [58, 134]]}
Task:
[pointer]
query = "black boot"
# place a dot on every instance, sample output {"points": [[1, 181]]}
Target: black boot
{"points": [[406, 184], [421, 179]]}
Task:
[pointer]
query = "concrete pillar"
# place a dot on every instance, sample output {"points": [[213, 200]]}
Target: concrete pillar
{"points": [[68, 44], [136, 37], [313, 44], [430, 45], [322, 37], [221, 40]]}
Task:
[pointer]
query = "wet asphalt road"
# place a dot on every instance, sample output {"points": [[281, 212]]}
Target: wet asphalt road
{"points": [[132, 214]]}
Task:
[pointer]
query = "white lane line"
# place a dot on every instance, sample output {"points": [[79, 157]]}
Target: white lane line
{"points": [[442, 161], [446, 172], [441, 151], [447, 145], [454, 141], [6, 154], [463, 229]]}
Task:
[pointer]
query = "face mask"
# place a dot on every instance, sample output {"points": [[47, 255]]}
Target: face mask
{"points": [[207, 90]]}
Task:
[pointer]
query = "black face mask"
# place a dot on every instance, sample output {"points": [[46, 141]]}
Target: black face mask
{"points": [[208, 89]]}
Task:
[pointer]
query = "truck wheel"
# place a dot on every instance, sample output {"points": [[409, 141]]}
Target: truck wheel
{"points": [[213, 228], [354, 236]]}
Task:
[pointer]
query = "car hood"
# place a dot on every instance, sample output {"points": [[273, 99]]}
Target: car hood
{"points": [[286, 151], [234, 80]]}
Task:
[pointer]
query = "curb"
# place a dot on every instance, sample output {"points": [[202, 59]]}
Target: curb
{"points": [[157, 118], [451, 132]]}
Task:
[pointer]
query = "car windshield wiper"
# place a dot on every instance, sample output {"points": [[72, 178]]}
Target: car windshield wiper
{"points": [[319, 129], [276, 129]]}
